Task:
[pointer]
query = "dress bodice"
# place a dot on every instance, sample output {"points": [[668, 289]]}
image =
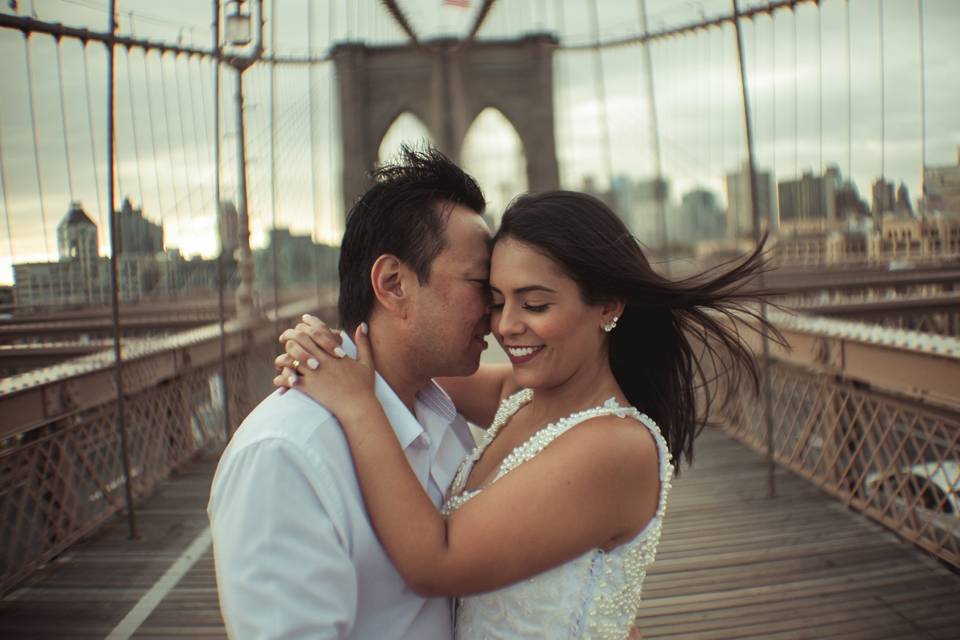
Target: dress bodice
{"points": [[596, 595]]}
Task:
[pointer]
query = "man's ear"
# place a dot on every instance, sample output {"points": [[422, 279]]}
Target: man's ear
{"points": [[392, 282]]}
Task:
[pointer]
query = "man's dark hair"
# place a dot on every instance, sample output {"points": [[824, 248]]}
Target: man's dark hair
{"points": [[402, 214]]}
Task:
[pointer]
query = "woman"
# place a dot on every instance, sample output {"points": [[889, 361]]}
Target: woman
{"points": [[552, 521]]}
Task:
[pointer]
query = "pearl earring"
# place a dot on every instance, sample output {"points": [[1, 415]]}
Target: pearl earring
{"points": [[610, 326]]}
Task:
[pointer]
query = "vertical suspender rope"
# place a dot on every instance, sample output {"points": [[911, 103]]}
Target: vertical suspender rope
{"points": [[194, 131], [820, 88], [133, 123], [883, 96], [192, 211], [654, 125], [600, 87], [202, 116], [115, 275], [764, 337], [6, 203], [773, 75], [333, 111], [166, 123], [93, 146], [221, 227], [570, 158], [36, 145], [796, 94], [63, 118], [923, 109], [273, 169], [314, 189], [153, 135], [849, 98]]}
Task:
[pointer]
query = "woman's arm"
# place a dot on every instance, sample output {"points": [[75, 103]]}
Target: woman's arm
{"points": [[597, 483], [476, 396]]}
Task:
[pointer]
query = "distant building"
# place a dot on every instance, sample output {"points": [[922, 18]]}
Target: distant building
{"points": [[740, 208], [699, 218], [818, 203], [228, 226], [81, 277], [903, 201], [138, 236], [300, 261], [884, 200], [942, 188], [638, 203]]}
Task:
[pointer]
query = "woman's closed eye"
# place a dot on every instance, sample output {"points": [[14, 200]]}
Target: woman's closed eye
{"points": [[526, 306]]}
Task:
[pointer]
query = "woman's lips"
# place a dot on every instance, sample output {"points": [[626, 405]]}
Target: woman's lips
{"points": [[521, 355]]}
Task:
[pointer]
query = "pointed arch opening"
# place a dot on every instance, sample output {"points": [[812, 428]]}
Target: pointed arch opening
{"points": [[407, 129], [493, 153]]}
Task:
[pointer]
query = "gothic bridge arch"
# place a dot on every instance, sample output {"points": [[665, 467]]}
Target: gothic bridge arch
{"points": [[446, 85]]}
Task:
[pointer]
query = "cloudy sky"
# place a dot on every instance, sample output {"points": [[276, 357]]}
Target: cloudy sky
{"points": [[834, 85]]}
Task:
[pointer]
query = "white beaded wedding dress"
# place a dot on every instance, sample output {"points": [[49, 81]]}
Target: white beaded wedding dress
{"points": [[596, 595]]}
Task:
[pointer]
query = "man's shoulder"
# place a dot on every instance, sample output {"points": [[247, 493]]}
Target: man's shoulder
{"points": [[295, 419]]}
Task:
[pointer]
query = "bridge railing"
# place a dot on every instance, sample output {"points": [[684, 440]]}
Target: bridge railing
{"points": [[872, 416], [61, 463]]}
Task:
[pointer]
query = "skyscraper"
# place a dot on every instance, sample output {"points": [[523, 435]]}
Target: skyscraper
{"points": [[739, 207]]}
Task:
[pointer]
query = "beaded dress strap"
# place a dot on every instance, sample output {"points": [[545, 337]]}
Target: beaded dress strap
{"points": [[544, 436]]}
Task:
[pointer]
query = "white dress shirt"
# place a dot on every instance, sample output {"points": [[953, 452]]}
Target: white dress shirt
{"points": [[295, 554]]}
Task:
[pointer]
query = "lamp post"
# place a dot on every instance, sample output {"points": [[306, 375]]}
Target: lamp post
{"points": [[240, 54]]}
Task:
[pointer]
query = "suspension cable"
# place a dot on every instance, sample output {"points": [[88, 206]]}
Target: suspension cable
{"points": [[6, 204], [63, 118], [849, 98], [923, 109], [883, 96], [314, 192], [820, 88], [133, 125], [183, 139], [600, 87], [796, 94], [93, 146], [194, 128], [36, 144], [166, 123], [153, 134], [203, 110]]}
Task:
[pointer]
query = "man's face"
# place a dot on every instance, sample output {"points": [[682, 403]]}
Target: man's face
{"points": [[450, 315]]}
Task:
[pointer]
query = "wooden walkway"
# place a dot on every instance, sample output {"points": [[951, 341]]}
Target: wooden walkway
{"points": [[732, 564]]}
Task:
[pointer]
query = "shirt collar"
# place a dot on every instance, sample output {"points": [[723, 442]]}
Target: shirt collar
{"points": [[404, 423]]}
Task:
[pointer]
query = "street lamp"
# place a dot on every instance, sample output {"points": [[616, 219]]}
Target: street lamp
{"points": [[238, 31], [241, 57]]}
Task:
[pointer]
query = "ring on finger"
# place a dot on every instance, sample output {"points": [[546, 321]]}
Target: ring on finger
{"points": [[296, 364]]}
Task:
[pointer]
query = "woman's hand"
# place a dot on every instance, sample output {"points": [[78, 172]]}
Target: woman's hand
{"points": [[305, 344], [342, 385]]}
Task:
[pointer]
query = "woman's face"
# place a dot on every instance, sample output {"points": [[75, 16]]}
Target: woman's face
{"points": [[539, 317]]}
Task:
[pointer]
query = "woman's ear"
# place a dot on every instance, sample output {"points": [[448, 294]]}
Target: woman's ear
{"points": [[612, 311], [391, 282]]}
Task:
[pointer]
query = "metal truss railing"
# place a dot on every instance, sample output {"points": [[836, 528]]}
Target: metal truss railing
{"points": [[63, 474], [888, 452]]}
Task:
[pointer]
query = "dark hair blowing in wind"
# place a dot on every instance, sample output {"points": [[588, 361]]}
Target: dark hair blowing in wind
{"points": [[671, 337]]}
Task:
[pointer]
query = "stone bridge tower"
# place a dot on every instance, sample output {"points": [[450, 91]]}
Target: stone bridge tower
{"points": [[446, 84]]}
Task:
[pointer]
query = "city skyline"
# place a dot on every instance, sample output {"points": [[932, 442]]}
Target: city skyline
{"points": [[695, 90]]}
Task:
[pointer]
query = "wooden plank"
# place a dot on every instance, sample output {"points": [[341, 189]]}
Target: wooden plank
{"points": [[732, 563]]}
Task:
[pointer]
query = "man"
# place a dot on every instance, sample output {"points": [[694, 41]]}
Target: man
{"points": [[295, 553]]}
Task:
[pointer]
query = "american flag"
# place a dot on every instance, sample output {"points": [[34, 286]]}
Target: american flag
{"points": [[464, 4]]}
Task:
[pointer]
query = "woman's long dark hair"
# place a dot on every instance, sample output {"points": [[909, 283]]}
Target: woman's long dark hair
{"points": [[670, 342]]}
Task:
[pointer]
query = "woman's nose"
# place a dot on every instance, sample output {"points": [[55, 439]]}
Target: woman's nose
{"points": [[509, 322]]}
